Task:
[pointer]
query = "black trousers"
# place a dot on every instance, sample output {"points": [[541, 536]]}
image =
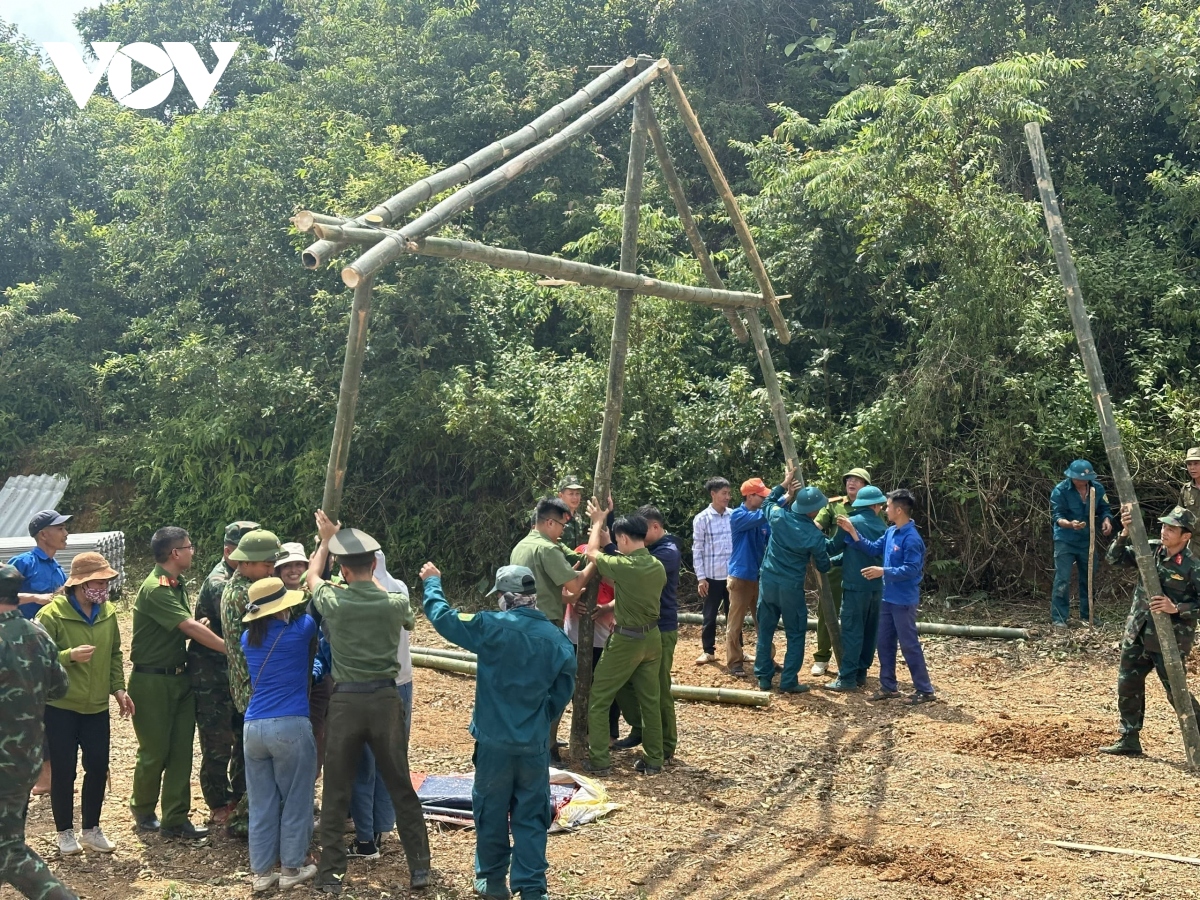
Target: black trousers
{"points": [[718, 596], [68, 733]]}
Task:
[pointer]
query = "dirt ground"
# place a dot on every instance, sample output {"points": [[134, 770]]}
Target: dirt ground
{"points": [[817, 796]]}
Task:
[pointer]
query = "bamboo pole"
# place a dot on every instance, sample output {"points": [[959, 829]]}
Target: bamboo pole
{"points": [[395, 207], [690, 228], [1176, 675], [584, 273], [446, 654], [614, 397], [966, 631], [1148, 854], [735, 214], [387, 251], [426, 660], [1091, 579], [343, 425]]}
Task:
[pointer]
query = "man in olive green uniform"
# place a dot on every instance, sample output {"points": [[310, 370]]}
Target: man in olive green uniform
{"points": [[543, 553], [1179, 575], [254, 559], [1189, 494], [364, 623], [222, 762], [852, 482], [635, 648], [570, 492], [30, 674], [165, 717]]}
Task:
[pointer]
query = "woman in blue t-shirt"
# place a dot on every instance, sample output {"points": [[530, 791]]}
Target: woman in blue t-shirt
{"points": [[281, 754]]}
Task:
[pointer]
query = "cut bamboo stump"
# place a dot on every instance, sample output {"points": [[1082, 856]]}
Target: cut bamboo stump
{"points": [[968, 631], [434, 659]]}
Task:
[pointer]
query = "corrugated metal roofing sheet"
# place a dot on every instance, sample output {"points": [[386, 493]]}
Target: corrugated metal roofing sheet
{"points": [[110, 544], [24, 495]]}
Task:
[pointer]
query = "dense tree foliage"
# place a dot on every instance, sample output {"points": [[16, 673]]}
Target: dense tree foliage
{"points": [[160, 342]]}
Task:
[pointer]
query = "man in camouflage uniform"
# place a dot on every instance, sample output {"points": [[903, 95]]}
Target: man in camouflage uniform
{"points": [[222, 765], [30, 674], [1179, 573], [254, 558], [852, 482], [1189, 494]]}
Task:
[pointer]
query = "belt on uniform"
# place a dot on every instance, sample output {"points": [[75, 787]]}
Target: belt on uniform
{"points": [[362, 687], [155, 670], [637, 632]]}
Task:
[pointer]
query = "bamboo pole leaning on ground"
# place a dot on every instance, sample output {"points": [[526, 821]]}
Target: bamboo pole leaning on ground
{"points": [[423, 659], [1148, 854], [966, 631], [388, 251], [395, 207], [1176, 675]]}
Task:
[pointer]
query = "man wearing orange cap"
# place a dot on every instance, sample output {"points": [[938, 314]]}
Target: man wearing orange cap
{"points": [[750, 532]]}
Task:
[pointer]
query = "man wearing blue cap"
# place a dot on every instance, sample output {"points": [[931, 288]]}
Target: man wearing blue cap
{"points": [[42, 573], [860, 595], [1069, 503], [525, 678], [795, 538]]}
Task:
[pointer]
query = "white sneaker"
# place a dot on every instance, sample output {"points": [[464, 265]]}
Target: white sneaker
{"points": [[94, 839], [819, 668], [263, 883], [706, 658], [67, 845], [305, 873]]}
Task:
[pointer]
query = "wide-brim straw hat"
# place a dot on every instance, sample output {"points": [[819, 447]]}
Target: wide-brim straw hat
{"points": [[90, 566], [268, 597]]}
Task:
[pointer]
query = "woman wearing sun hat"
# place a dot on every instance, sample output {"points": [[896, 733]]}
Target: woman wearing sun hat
{"points": [[83, 624], [281, 754]]}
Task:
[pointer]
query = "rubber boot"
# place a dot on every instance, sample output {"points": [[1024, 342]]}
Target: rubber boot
{"points": [[1126, 745]]}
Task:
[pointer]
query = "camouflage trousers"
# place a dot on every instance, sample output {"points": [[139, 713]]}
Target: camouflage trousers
{"points": [[19, 865], [222, 762], [1136, 664]]}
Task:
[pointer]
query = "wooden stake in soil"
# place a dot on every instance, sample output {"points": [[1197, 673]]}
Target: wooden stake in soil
{"points": [[1112, 443], [619, 349]]}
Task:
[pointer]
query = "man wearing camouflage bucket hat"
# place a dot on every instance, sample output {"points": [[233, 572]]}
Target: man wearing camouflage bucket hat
{"points": [[33, 675], [254, 558], [222, 763], [1189, 494], [1179, 574]]}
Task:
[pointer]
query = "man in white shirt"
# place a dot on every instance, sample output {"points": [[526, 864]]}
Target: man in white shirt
{"points": [[712, 544]]}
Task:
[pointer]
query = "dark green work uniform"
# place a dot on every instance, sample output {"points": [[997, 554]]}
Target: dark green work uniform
{"points": [[827, 521], [552, 567], [30, 674], [632, 655], [162, 694]]}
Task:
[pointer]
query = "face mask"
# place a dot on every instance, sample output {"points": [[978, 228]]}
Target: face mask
{"points": [[95, 593]]}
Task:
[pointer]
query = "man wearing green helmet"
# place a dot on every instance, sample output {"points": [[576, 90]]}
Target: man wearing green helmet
{"points": [[853, 481], [1073, 535], [861, 596]]}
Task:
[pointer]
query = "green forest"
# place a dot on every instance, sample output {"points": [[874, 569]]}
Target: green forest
{"points": [[161, 343]]}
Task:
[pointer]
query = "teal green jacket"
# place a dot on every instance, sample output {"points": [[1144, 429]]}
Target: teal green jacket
{"points": [[91, 682], [794, 539]]}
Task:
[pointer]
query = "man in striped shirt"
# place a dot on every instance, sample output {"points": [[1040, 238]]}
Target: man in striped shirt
{"points": [[712, 544]]}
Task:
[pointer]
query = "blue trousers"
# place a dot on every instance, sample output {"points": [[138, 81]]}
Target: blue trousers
{"points": [[281, 774], [1066, 557], [511, 790], [898, 624], [370, 804], [860, 631], [780, 601]]}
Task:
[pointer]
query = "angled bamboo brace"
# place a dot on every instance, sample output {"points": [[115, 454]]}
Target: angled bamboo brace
{"points": [[388, 251], [393, 208]]}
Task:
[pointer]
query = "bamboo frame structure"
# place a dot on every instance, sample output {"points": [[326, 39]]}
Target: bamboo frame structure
{"points": [[1172, 662], [343, 425]]}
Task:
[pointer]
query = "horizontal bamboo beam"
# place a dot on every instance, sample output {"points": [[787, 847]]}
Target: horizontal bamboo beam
{"points": [[584, 273], [967, 631], [423, 659], [388, 251], [735, 213], [395, 207]]}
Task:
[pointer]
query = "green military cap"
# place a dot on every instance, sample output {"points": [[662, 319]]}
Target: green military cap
{"points": [[1081, 470], [808, 500], [235, 531], [257, 546], [570, 483], [352, 542], [857, 473], [11, 580], [1193, 455], [869, 496], [514, 580], [1180, 518]]}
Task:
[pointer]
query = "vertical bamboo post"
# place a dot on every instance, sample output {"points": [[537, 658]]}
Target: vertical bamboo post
{"points": [[343, 425], [1091, 580], [1176, 675], [602, 484]]}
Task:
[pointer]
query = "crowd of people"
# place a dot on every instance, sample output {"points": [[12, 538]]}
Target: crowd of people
{"points": [[289, 664]]}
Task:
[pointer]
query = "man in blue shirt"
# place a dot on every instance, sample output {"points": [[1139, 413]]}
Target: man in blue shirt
{"points": [[1073, 537], [526, 676], [903, 554], [750, 533], [43, 575]]}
